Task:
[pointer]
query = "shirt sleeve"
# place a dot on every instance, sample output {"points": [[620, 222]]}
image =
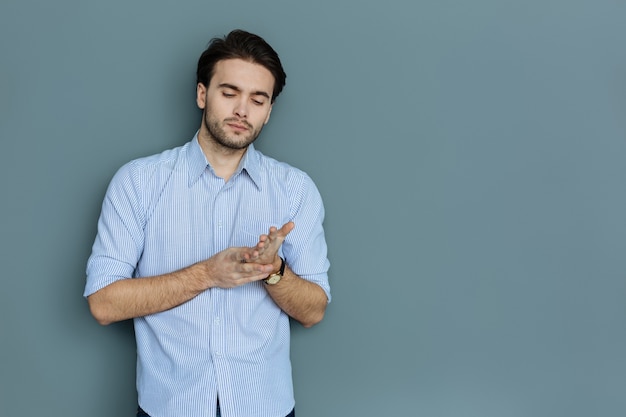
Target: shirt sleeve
{"points": [[119, 240], [305, 248]]}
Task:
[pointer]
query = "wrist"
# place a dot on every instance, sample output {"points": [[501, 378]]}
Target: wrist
{"points": [[277, 264], [275, 277], [195, 277]]}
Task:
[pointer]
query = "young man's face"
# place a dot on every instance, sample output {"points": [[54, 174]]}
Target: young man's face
{"points": [[237, 103]]}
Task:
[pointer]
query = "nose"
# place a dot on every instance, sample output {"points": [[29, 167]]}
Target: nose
{"points": [[241, 109]]}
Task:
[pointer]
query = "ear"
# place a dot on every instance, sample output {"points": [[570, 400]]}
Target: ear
{"points": [[201, 95], [267, 119]]}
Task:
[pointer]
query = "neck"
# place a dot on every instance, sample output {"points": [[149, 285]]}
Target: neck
{"points": [[224, 160]]}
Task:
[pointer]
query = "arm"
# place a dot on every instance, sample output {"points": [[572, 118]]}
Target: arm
{"points": [[111, 293], [138, 297], [302, 300]]}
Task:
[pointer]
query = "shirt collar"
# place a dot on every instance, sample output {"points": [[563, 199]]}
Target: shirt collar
{"points": [[251, 164], [198, 163]]}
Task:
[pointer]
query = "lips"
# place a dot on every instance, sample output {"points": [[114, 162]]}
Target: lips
{"points": [[238, 125]]}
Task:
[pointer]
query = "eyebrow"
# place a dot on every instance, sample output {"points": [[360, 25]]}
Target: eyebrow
{"points": [[234, 87]]}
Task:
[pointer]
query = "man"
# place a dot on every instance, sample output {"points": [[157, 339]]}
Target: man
{"points": [[211, 247]]}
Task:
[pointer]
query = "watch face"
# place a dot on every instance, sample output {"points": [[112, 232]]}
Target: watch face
{"points": [[273, 279]]}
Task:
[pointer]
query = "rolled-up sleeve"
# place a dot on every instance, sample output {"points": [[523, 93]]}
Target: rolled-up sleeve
{"points": [[305, 247], [119, 241]]}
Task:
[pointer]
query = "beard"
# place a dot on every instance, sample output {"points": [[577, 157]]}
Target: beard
{"points": [[235, 141]]}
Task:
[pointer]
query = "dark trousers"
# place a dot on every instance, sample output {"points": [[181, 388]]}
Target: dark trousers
{"points": [[141, 413]]}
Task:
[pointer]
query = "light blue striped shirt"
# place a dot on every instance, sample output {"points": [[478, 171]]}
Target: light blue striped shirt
{"points": [[168, 211]]}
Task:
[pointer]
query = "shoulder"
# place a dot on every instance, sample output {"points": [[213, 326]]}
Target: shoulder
{"points": [[284, 181], [275, 170], [147, 169], [167, 160], [141, 180]]}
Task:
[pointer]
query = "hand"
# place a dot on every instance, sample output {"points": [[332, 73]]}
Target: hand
{"points": [[266, 250], [233, 267]]}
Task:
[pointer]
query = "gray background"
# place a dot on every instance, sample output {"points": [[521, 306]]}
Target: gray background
{"points": [[470, 155]]}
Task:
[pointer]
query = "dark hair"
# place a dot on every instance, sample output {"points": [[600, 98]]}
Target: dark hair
{"points": [[243, 45]]}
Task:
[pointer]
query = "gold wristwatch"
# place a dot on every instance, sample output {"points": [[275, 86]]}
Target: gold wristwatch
{"points": [[274, 278]]}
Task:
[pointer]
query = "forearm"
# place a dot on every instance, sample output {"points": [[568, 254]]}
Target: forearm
{"points": [[302, 300], [138, 297]]}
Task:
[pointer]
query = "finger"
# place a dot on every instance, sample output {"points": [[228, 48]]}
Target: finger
{"points": [[244, 255], [286, 228], [254, 268]]}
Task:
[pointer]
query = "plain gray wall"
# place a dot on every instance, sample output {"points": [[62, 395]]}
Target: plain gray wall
{"points": [[470, 155]]}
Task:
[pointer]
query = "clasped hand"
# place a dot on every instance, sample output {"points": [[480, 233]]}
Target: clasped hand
{"points": [[233, 267]]}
